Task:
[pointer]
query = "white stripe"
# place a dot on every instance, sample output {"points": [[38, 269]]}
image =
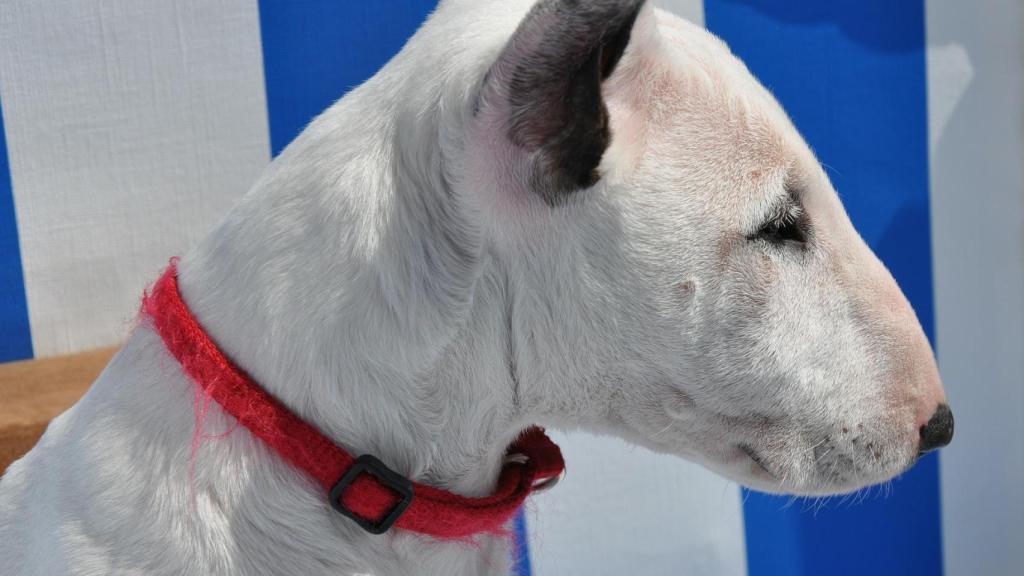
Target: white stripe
{"points": [[976, 90], [624, 510], [132, 126], [692, 10]]}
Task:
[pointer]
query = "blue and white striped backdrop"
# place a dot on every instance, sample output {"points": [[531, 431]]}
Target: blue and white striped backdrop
{"points": [[130, 126]]}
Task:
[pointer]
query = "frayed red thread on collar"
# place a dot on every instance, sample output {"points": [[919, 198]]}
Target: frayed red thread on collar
{"points": [[361, 488]]}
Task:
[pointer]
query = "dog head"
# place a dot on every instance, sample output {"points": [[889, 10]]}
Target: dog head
{"points": [[685, 274]]}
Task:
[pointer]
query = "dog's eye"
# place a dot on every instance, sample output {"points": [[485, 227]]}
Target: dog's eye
{"points": [[788, 226]]}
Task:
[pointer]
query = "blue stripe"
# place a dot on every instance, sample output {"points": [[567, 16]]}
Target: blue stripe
{"points": [[521, 563], [851, 73], [314, 52], [15, 333]]}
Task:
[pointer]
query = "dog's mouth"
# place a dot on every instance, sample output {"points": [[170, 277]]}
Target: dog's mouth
{"points": [[755, 457]]}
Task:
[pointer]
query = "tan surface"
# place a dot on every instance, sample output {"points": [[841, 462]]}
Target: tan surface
{"points": [[33, 392]]}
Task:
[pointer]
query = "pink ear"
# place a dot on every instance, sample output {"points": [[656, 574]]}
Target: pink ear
{"points": [[544, 91]]}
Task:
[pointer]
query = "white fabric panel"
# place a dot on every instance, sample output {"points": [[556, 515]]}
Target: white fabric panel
{"points": [[132, 126], [692, 10], [976, 108], [625, 510]]}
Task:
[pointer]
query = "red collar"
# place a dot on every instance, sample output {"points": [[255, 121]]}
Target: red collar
{"points": [[362, 488]]}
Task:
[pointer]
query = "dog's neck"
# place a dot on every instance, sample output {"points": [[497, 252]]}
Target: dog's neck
{"points": [[443, 417], [342, 298]]}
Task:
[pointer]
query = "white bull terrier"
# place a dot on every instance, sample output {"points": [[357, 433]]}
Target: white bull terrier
{"points": [[581, 215]]}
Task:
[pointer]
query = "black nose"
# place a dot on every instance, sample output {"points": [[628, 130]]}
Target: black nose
{"points": [[938, 431]]}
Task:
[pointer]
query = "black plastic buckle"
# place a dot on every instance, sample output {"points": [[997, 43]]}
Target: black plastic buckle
{"points": [[392, 480]]}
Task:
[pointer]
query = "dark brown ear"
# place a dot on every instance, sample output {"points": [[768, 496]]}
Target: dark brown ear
{"points": [[547, 82]]}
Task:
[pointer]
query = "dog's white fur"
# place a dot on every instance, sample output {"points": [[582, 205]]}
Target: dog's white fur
{"points": [[392, 279]]}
